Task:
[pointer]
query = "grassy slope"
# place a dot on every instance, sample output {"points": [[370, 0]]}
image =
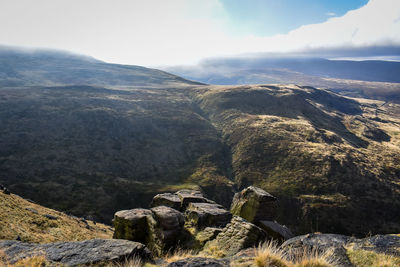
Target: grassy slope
{"points": [[315, 151], [34, 227]]}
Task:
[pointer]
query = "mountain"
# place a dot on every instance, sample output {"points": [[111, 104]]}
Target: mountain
{"points": [[369, 79], [54, 68], [114, 136]]}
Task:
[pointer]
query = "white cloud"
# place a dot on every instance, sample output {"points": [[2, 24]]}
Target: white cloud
{"points": [[377, 23], [330, 14], [155, 32]]}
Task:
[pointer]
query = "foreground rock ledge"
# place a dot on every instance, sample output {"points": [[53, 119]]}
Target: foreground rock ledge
{"points": [[77, 253]]}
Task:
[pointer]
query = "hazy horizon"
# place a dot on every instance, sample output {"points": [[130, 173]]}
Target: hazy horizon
{"points": [[179, 32]]}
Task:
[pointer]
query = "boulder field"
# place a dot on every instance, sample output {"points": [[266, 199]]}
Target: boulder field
{"points": [[187, 220]]}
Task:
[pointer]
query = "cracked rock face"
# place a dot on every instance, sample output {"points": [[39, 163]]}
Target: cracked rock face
{"points": [[76, 253], [237, 235]]}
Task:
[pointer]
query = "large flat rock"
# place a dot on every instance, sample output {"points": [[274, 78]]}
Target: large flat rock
{"points": [[77, 253]]}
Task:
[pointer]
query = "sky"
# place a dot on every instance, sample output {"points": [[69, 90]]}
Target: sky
{"points": [[176, 32]]}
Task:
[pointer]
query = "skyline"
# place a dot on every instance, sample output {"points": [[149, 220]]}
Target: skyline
{"points": [[157, 33]]}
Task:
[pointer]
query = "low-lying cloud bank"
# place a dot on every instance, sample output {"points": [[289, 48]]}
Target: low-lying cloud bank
{"points": [[375, 26]]}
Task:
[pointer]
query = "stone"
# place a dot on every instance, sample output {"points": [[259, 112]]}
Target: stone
{"points": [[199, 262], [208, 234], [275, 230], [50, 217], [202, 215], [165, 230], [254, 205], [32, 210], [77, 253], [187, 196], [237, 235], [167, 199], [132, 224]]}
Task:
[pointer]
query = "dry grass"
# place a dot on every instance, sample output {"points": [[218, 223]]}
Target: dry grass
{"points": [[270, 255], [32, 226]]}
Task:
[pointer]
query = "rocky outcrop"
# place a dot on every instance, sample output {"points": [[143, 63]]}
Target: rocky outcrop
{"points": [[275, 230], [77, 253], [202, 215], [254, 205], [199, 262], [237, 235], [168, 200]]}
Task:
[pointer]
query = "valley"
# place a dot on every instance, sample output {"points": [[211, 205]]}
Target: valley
{"points": [[109, 137]]}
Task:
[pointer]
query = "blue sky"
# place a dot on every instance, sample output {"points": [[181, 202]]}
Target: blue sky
{"points": [[269, 17], [175, 32]]}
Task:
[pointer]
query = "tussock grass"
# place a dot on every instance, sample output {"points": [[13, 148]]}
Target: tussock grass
{"points": [[270, 255]]}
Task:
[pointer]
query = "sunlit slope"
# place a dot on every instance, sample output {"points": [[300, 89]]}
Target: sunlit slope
{"points": [[31, 222], [334, 162]]}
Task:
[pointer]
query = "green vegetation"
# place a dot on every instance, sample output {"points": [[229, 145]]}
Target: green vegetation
{"points": [[364, 258]]}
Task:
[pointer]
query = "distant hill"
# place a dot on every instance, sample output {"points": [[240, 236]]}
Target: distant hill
{"points": [[54, 68], [371, 79], [89, 146]]}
